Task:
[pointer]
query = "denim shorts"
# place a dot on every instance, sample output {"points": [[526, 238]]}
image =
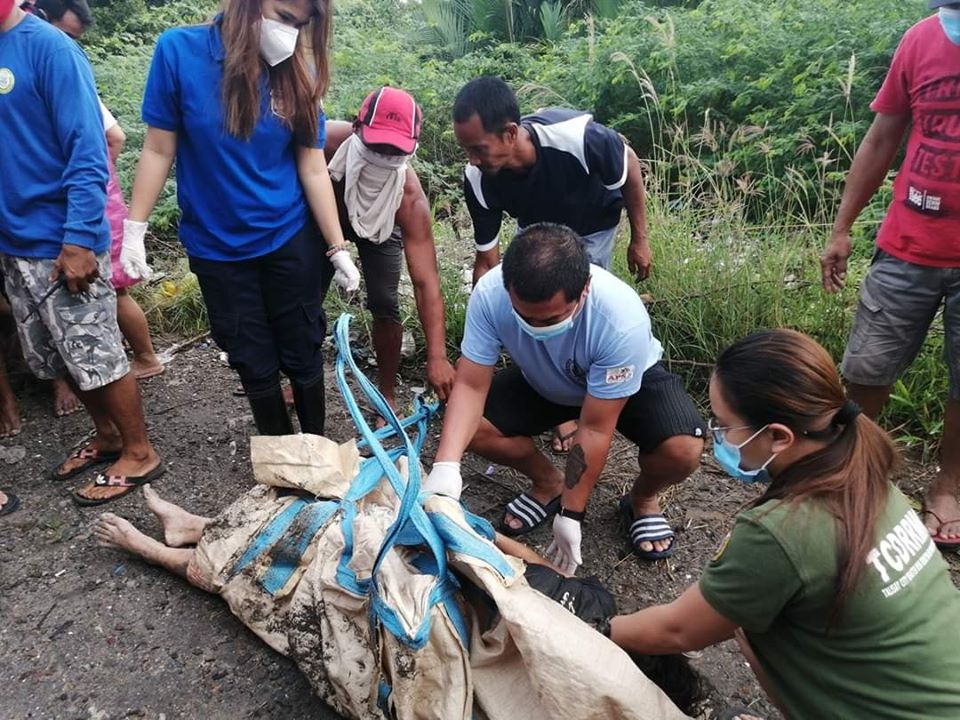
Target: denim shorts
{"points": [[898, 301], [68, 333]]}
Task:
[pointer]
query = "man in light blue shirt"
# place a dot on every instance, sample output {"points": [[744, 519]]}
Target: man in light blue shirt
{"points": [[582, 348]]}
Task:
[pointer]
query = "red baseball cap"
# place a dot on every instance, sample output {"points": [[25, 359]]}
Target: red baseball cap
{"points": [[390, 116], [6, 7]]}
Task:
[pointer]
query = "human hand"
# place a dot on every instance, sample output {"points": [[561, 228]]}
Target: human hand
{"points": [[77, 265], [564, 551], [833, 262], [133, 254], [639, 258], [440, 375], [346, 276], [444, 479]]}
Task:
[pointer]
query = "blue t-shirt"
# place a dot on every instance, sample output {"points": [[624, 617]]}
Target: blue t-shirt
{"points": [[240, 199], [604, 354], [576, 181], [53, 154]]}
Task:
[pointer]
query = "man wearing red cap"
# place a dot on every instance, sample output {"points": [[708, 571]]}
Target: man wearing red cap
{"points": [[385, 212]]}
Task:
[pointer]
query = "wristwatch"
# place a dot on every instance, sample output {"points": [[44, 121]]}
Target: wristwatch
{"points": [[577, 515]]}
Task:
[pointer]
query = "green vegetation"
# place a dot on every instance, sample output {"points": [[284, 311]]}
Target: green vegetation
{"points": [[746, 114]]}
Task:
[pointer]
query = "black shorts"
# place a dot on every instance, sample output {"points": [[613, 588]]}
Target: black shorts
{"points": [[660, 409]]}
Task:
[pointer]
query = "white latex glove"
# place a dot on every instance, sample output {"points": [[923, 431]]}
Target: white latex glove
{"points": [[444, 479], [347, 275], [133, 255], [564, 551]]}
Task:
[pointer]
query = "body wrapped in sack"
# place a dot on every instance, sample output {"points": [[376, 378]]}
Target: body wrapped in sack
{"points": [[406, 644]]}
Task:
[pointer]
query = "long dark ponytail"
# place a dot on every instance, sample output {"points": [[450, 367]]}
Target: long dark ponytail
{"points": [[783, 376]]}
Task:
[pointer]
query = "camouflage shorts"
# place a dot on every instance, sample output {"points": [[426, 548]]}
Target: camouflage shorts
{"points": [[75, 334]]}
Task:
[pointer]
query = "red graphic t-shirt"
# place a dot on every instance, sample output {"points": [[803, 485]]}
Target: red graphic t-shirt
{"points": [[922, 225]]}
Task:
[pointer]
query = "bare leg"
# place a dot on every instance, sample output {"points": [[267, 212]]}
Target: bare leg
{"points": [[133, 325], [509, 546], [115, 532], [521, 454], [65, 401], [941, 498], [9, 412], [942, 495], [179, 527], [107, 437], [118, 406], [387, 339], [670, 463], [870, 398]]}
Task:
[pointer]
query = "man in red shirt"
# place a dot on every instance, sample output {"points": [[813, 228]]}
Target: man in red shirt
{"points": [[916, 267]]}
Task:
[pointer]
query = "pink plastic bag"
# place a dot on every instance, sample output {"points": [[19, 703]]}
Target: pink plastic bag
{"points": [[116, 213]]}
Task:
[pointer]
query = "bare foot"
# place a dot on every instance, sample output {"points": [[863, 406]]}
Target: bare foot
{"points": [[943, 510], [563, 437], [144, 368], [542, 496], [649, 506], [114, 532], [64, 401], [9, 418], [180, 528]]}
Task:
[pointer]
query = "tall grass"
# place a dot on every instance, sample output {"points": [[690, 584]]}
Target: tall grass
{"points": [[728, 262]]}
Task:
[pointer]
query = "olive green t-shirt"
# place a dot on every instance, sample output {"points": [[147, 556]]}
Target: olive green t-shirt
{"points": [[893, 654]]}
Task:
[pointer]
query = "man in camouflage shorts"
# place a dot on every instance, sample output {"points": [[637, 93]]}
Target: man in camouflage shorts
{"points": [[55, 247]]}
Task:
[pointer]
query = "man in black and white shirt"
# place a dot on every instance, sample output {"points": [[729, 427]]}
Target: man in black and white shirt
{"points": [[556, 165]]}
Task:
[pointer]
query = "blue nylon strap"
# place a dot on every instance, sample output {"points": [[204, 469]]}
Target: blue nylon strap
{"points": [[288, 551], [267, 537], [412, 527]]}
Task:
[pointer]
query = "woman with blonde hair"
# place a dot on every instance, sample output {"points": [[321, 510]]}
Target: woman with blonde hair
{"points": [[829, 580], [237, 104]]}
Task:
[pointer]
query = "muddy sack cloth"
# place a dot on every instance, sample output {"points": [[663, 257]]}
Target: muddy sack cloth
{"points": [[340, 563]]}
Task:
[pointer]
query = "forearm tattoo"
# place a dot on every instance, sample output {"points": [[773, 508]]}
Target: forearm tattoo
{"points": [[576, 466]]}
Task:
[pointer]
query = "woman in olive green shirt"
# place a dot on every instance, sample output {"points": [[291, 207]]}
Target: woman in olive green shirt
{"points": [[829, 580]]}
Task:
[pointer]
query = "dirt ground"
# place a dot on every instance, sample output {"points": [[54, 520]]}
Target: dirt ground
{"points": [[87, 633]]}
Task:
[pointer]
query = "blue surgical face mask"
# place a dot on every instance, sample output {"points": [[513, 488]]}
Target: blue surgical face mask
{"points": [[950, 22], [728, 456], [546, 332]]}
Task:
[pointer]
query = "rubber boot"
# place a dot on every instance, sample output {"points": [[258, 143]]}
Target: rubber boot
{"points": [[270, 412], [311, 404]]}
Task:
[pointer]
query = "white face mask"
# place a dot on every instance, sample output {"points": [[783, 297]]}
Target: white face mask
{"points": [[277, 41]]}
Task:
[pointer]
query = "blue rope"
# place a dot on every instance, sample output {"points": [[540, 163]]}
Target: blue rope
{"points": [[412, 527]]}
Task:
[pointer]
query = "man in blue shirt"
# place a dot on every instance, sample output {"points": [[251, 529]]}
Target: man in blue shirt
{"points": [[54, 248], [582, 347]]}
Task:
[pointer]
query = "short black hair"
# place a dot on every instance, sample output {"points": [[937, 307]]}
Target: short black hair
{"points": [[545, 258], [490, 98], [54, 10]]}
